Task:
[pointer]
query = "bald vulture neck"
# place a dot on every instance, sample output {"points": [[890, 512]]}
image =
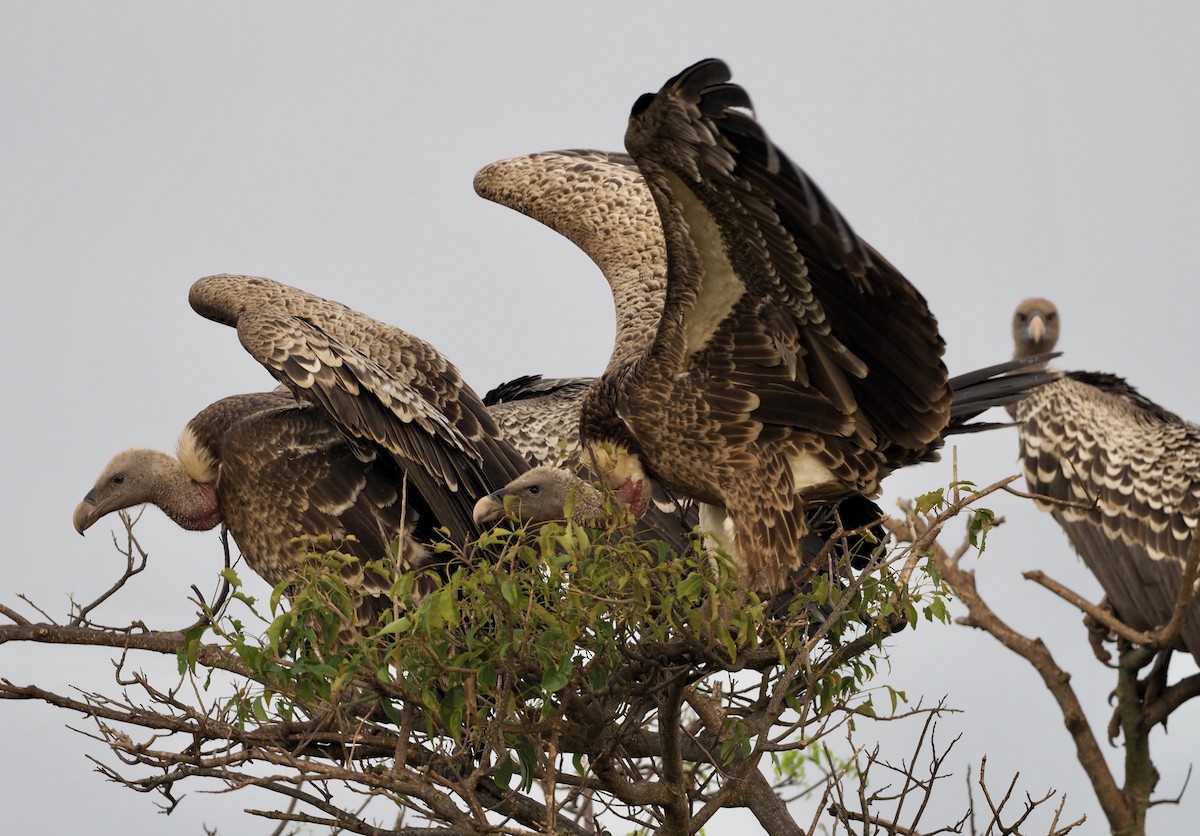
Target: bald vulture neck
{"points": [[190, 504]]}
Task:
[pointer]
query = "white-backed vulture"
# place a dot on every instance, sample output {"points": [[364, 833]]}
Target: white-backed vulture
{"points": [[1035, 327], [766, 358], [376, 441], [1126, 474]]}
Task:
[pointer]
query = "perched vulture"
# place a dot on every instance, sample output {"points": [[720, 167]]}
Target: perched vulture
{"points": [[540, 418], [766, 357], [600, 202], [375, 440], [1035, 327], [542, 493], [1130, 471]]}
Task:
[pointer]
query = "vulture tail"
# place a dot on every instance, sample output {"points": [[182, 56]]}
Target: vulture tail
{"points": [[999, 385], [532, 386]]}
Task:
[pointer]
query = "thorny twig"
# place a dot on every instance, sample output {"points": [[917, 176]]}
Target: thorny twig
{"points": [[133, 566], [324, 745], [1124, 807]]}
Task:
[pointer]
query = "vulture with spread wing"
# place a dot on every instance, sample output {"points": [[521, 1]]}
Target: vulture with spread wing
{"points": [[766, 358], [1126, 474], [374, 442], [599, 201]]}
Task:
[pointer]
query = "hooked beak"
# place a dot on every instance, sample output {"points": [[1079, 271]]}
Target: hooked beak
{"points": [[488, 510], [1037, 328], [85, 512]]}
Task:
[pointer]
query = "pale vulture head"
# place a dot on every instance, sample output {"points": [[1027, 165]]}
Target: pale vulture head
{"points": [[542, 494], [137, 476], [1034, 327]]}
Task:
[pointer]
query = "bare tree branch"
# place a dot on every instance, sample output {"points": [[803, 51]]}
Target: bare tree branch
{"points": [[564, 660]]}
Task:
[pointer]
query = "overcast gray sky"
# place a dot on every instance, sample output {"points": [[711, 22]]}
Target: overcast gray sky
{"points": [[990, 152]]}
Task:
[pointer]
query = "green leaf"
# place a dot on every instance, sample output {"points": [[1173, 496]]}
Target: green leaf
{"points": [[555, 680], [400, 625], [277, 596], [937, 611], [931, 501], [982, 521], [527, 761], [190, 651], [448, 609], [451, 711], [431, 701], [689, 586], [393, 714], [340, 681], [504, 771]]}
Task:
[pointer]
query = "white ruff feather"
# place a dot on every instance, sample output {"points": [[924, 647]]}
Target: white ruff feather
{"points": [[199, 464]]}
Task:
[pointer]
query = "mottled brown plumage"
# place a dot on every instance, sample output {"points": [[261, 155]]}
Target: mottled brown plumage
{"points": [[375, 442], [379, 384], [792, 362], [551, 405], [540, 417], [1131, 471], [601, 202]]}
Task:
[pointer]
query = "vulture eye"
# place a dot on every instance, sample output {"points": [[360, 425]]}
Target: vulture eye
{"points": [[119, 479], [534, 490], [1021, 317], [1050, 317]]}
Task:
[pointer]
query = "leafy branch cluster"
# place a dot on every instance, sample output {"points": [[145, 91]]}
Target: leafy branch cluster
{"points": [[555, 679]]}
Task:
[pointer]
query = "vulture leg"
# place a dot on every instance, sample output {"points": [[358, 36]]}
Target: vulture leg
{"points": [[1098, 635], [1154, 684], [1150, 688]]}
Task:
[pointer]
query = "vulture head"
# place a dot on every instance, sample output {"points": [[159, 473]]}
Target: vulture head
{"points": [[1034, 327], [541, 494], [138, 476]]}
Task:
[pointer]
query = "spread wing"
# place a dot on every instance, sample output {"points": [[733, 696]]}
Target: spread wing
{"points": [[772, 296], [380, 386], [599, 201]]}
